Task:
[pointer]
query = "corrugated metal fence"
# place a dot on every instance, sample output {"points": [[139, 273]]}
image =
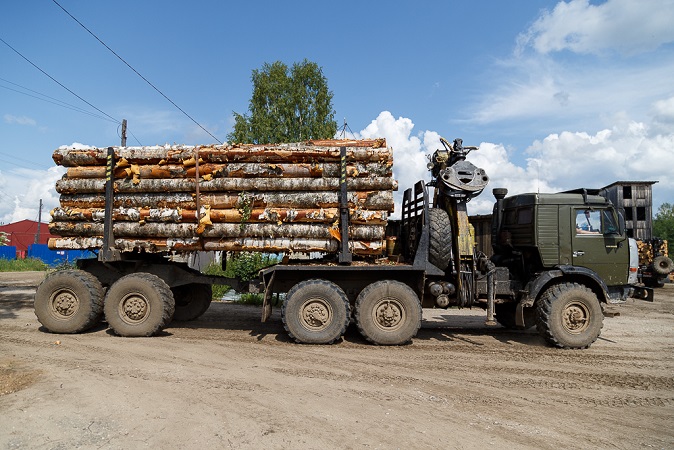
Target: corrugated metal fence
{"points": [[49, 257]]}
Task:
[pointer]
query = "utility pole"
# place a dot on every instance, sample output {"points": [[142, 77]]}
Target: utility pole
{"points": [[123, 132], [39, 222]]}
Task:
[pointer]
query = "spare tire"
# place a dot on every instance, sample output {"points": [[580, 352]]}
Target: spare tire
{"points": [[662, 265], [440, 248]]}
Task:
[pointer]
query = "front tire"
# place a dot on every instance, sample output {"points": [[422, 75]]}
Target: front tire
{"points": [[316, 312], [69, 301], [388, 313], [139, 304], [569, 316]]}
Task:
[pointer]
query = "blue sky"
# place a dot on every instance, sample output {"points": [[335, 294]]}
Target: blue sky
{"points": [[558, 95]]}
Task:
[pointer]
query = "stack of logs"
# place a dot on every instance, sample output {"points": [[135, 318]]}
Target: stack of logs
{"points": [[271, 198], [648, 250]]}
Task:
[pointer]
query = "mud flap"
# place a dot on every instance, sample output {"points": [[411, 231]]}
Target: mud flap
{"points": [[266, 303]]}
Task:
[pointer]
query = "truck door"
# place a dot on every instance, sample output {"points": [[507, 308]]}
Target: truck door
{"points": [[597, 245]]}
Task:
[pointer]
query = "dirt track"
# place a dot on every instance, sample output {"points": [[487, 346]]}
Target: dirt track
{"points": [[227, 380]]}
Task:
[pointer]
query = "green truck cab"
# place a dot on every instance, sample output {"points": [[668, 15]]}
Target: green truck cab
{"points": [[566, 254]]}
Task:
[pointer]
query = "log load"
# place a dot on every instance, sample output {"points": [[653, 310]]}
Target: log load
{"points": [[271, 198]]}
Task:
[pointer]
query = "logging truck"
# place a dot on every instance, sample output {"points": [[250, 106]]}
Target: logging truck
{"points": [[557, 258]]}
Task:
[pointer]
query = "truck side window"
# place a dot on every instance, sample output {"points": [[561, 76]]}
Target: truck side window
{"points": [[588, 221], [524, 216], [609, 221]]}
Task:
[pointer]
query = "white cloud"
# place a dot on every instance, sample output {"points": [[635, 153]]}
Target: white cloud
{"points": [[409, 152], [19, 120], [538, 87], [625, 26], [628, 151], [22, 190]]}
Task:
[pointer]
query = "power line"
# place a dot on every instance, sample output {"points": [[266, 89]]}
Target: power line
{"points": [[14, 157], [55, 101], [136, 72], [57, 82]]}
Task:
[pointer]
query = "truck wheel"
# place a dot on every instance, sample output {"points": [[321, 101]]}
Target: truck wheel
{"points": [[388, 313], [316, 312], [505, 315], [440, 248], [192, 300], [69, 301], [569, 316], [662, 265], [139, 304]]}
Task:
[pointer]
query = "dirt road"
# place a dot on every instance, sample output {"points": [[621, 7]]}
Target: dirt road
{"points": [[228, 381]]}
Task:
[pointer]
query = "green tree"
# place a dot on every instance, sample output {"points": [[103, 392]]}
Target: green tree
{"points": [[663, 224], [4, 239], [287, 105]]}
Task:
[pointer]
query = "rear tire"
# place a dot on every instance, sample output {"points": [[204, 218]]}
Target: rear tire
{"points": [[192, 301], [316, 312], [388, 313], [662, 265], [440, 248], [569, 316], [139, 304], [69, 301]]}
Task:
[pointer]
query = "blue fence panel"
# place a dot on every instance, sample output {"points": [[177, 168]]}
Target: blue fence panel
{"points": [[8, 252], [55, 257]]}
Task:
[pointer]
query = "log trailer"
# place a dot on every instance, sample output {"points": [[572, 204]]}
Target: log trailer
{"points": [[558, 258]]}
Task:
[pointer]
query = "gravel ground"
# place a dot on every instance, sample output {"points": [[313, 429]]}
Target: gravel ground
{"points": [[227, 380]]}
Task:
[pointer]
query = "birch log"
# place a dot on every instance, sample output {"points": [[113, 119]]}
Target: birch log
{"points": [[177, 154], [179, 215], [91, 186], [216, 230], [275, 245], [371, 200], [237, 170]]}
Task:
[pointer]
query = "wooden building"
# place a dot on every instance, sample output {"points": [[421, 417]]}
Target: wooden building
{"points": [[636, 200]]}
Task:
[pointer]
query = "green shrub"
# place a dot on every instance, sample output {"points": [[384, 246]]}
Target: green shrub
{"points": [[22, 265], [243, 266], [219, 290]]}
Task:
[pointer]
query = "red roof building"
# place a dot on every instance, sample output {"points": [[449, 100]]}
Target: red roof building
{"points": [[22, 234]]}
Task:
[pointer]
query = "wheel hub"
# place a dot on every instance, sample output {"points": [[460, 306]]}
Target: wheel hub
{"points": [[576, 318], [134, 308], [316, 314], [65, 303], [388, 314]]}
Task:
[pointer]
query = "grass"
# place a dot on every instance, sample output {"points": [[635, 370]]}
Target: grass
{"points": [[251, 299], [22, 265]]}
